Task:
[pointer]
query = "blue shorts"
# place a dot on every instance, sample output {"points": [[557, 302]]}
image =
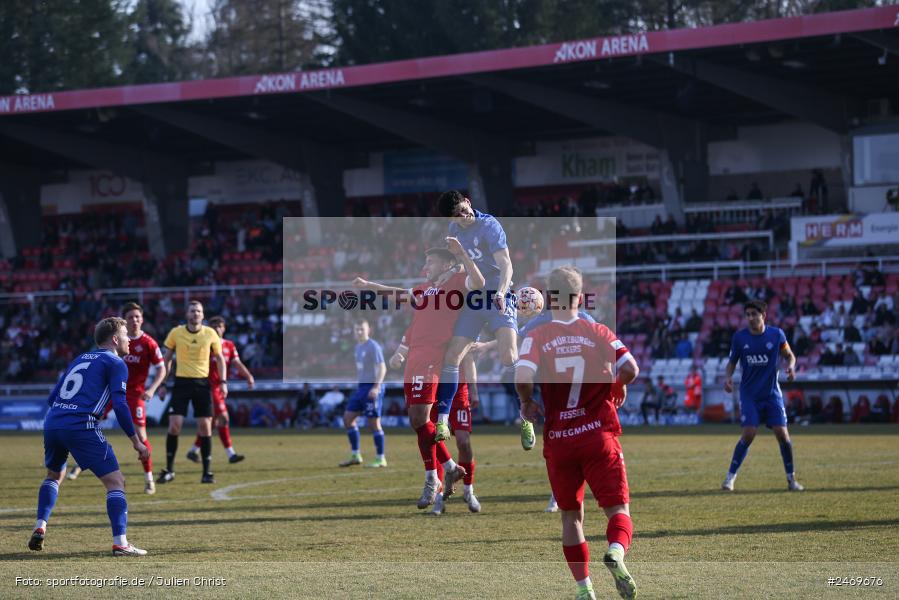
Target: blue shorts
{"points": [[359, 402], [770, 409], [88, 446], [471, 320]]}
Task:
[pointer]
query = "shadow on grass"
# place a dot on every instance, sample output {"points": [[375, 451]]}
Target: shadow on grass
{"points": [[796, 527], [716, 491]]}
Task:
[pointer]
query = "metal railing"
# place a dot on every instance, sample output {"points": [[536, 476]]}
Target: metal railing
{"points": [[678, 237]]}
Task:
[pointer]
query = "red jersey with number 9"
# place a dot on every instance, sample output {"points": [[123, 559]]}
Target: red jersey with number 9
{"points": [[574, 361]]}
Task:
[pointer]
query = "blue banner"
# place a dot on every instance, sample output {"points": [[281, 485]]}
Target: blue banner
{"points": [[414, 171]]}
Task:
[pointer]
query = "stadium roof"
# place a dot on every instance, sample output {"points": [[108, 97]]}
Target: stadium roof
{"points": [[820, 68]]}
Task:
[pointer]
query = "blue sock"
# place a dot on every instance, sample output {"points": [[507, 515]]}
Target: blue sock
{"points": [[353, 434], [739, 454], [446, 389], [46, 498], [786, 453], [117, 509], [379, 441]]}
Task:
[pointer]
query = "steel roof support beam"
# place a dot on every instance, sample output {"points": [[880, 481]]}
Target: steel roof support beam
{"points": [[488, 153], [684, 141], [20, 209], [164, 180], [879, 39], [820, 107], [321, 162]]}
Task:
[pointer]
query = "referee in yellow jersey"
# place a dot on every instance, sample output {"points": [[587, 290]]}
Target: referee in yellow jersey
{"points": [[192, 344]]}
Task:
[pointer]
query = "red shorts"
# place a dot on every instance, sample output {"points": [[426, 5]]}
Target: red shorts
{"points": [[460, 413], [219, 407], [421, 376], [138, 410], [599, 463]]}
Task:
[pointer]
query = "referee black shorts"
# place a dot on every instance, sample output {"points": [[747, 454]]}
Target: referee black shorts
{"points": [[187, 390]]}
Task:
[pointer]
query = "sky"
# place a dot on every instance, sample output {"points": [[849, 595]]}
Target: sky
{"points": [[198, 11]]}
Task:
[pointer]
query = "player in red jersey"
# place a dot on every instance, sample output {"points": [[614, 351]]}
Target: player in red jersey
{"points": [[438, 304], [583, 369], [143, 351], [219, 407], [465, 400]]}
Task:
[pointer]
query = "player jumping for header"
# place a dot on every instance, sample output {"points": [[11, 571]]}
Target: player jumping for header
{"points": [[76, 406], [484, 241], [757, 348], [575, 362]]}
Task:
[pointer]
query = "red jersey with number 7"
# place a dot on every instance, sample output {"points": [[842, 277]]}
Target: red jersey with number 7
{"points": [[574, 363]]}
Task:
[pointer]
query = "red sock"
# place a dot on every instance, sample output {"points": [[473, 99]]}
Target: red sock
{"points": [[620, 529], [578, 557], [469, 472], [443, 454], [148, 464], [439, 471], [225, 436], [426, 445], [197, 441]]}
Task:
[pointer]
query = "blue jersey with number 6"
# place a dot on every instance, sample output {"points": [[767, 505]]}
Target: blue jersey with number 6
{"points": [[90, 382]]}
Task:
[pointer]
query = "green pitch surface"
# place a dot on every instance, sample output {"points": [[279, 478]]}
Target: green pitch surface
{"points": [[288, 523]]}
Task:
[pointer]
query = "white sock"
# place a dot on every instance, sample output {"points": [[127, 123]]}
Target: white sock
{"points": [[616, 546], [380, 457], [120, 540], [469, 488], [149, 476], [230, 451], [195, 449], [443, 418], [449, 465], [791, 477], [40, 524], [431, 475], [584, 581], [731, 476]]}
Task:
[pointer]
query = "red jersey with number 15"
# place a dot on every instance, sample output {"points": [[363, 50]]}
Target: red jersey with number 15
{"points": [[573, 361], [229, 351], [143, 351], [432, 324]]}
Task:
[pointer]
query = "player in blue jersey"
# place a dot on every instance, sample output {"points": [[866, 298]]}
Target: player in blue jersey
{"points": [[91, 381], [368, 398], [757, 349], [484, 240]]}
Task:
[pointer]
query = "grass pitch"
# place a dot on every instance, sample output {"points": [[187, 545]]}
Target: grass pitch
{"points": [[288, 523]]}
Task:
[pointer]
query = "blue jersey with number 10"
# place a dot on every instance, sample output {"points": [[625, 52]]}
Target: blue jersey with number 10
{"points": [[758, 355], [80, 397]]}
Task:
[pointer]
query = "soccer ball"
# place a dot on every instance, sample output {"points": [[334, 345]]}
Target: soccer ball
{"points": [[530, 302]]}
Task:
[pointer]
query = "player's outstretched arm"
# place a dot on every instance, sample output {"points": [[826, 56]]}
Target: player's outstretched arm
{"points": [[364, 284]]}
